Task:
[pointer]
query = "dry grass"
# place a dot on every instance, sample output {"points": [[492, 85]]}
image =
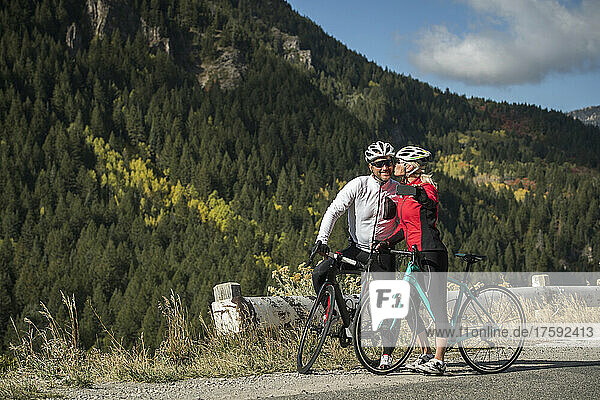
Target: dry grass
{"points": [[299, 282], [563, 309], [50, 356], [22, 387]]}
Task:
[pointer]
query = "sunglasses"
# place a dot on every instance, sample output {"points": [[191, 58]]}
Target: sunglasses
{"points": [[382, 163]]}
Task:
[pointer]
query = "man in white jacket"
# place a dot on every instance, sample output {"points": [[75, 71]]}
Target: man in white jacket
{"points": [[371, 213], [372, 217]]}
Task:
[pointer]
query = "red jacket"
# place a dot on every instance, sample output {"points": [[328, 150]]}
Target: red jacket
{"points": [[418, 218]]}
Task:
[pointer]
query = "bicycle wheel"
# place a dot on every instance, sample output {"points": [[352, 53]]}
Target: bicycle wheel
{"points": [[483, 347], [392, 337], [316, 328]]}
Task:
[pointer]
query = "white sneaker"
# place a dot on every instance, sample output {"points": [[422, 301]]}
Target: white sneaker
{"points": [[422, 359], [433, 367], [385, 362]]}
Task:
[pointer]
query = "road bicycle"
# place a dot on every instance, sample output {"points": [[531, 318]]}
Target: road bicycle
{"points": [[333, 316], [488, 308], [475, 314]]}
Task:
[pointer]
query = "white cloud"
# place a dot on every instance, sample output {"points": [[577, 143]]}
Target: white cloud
{"points": [[541, 37]]}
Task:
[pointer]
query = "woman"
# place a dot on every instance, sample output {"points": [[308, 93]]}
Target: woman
{"points": [[418, 216]]}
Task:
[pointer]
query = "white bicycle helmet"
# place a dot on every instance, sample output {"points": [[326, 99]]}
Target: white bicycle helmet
{"points": [[413, 153], [377, 150]]}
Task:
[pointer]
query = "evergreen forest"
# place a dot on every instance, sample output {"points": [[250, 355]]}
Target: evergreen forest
{"points": [[157, 145]]}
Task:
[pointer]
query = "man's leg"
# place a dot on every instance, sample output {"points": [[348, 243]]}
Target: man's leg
{"points": [[319, 274]]}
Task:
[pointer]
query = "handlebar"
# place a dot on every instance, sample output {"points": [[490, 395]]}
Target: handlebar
{"points": [[339, 258], [415, 254], [336, 256], [401, 252]]}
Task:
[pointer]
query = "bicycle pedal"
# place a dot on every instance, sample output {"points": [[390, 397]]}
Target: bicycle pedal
{"points": [[345, 340]]}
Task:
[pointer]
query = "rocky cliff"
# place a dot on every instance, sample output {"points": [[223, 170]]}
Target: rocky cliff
{"points": [[589, 115], [103, 17]]}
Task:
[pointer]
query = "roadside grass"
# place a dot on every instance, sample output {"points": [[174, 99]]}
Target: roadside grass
{"points": [[566, 309], [18, 386], [51, 356]]}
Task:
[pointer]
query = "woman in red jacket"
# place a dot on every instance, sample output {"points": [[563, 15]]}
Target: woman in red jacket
{"points": [[418, 216]]}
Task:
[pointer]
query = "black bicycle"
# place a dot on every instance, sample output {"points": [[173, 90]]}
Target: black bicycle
{"points": [[330, 308]]}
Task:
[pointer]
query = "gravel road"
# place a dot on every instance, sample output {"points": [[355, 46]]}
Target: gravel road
{"points": [[563, 373]]}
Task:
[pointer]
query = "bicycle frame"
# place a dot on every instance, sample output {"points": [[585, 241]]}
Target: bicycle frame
{"points": [[339, 298], [464, 292]]}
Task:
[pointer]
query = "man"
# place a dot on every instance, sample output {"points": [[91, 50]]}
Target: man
{"points": [[371, 215]]}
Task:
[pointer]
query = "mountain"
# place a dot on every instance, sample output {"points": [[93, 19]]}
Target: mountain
{"points": [[157, 145], [589, 115]]}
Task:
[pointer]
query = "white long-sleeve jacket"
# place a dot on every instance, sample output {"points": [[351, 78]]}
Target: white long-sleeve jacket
{"points": [[361, 197]]}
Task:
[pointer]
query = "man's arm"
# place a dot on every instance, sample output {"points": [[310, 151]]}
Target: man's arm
{"points": [[398, 234], [338, 206]]}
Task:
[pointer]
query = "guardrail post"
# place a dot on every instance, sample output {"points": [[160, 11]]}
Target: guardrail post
{"points": [[540, 280], [233, 313], [227, 291]]}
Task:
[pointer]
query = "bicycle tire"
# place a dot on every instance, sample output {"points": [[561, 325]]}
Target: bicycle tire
{"points": [[316, 329], [507, 311], [368, 342]]}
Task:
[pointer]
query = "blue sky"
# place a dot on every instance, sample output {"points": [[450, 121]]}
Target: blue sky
{"points": [[544, 52]]}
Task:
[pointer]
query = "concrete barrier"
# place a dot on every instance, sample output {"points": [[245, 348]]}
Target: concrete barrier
{"points": [[232, 312]]}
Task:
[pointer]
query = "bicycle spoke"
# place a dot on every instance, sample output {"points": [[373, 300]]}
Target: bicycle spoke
{"points": [[496, 309], [316, 329], [394, 339]]}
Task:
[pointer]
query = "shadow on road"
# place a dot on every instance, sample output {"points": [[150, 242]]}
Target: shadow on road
{"points": [[462, 369], [528, 365]]}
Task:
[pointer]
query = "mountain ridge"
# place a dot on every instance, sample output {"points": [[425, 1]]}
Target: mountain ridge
{"points": [[124, 176]]}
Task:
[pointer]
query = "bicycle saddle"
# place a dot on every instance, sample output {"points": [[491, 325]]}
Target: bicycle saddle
{"points": [[470, 258]]}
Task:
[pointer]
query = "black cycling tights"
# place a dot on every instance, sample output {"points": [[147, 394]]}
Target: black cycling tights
{"points": [[432, 278], [381, 263]]}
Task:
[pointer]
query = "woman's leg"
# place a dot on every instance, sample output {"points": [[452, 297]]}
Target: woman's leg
{"points": [[415, 303], [438, 292]]}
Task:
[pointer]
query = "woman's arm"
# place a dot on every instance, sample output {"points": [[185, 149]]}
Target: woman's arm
{"points": [[396, 237], [427, 195]]}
